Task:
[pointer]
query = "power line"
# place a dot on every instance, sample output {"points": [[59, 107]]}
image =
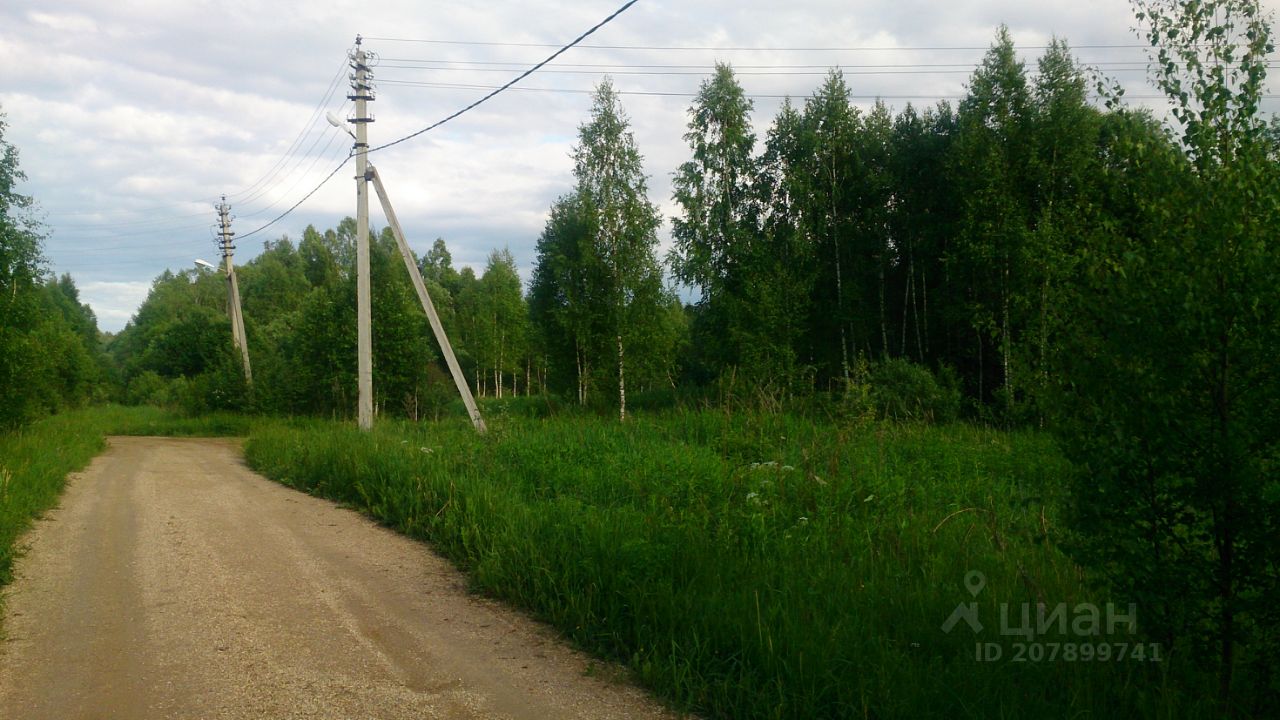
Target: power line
{"points": [[700, 73], [305, 198], [754, 73], [517, 79], [576, 91], [421, 64], [306, 129], [168, 233], [131, 223], [315, 159], [679, 48], [687, 69], [649, 93], [166, 224], [513, 81]]}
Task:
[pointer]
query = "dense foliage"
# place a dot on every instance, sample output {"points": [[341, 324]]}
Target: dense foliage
{"points": [[598, 288], [1172, 408], [50, 354]]}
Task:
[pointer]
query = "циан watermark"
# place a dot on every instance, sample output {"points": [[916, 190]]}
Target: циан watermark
{"points": [[1083, 632]]}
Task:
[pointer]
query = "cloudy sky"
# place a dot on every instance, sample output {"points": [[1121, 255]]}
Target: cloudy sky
{"points": [[132, 117]]}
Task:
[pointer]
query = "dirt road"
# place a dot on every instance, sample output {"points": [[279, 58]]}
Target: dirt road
{"points": [[174, 583]]}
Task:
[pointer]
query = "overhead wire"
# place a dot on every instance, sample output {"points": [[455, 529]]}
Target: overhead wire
{"points": [[331, 134], [766, 96], [573, 43], [644, 93], [457, 114], [305, 198], [692, 48], [264, 183], [303, 132], [324, 154], [420, 65], [703, 69], [168, 223]]}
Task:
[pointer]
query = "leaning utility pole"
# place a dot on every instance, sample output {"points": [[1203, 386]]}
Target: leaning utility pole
{"points": [[233, 288], [434, 318], [362, 93]]}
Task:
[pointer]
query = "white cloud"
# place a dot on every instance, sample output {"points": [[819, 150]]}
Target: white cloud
{"points": [[64, 23], [113, 302]]}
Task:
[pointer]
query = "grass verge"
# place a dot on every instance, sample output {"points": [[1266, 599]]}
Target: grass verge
{"points": [[754, 566]]}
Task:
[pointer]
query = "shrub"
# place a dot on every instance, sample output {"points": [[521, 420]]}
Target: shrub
{"points": [[901, 390]]}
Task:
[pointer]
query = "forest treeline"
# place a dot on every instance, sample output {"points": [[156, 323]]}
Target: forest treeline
{"points": [[842, 246], [50, 352]]}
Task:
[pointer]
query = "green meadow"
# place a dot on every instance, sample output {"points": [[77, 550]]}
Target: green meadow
{"points": [[764, 566]]}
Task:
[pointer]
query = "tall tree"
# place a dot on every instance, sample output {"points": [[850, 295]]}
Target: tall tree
{"points": [[614, 192], [923, 224], [715, 228], [49, 353], [990, 168], [1063, 207], [780, 270], [504, 319], [21, 267], [563, 297], [437, 266], [874, 245], [1171, 393], [828, 211]]}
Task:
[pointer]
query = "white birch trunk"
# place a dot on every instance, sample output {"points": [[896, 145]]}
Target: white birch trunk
{"points": [[622, 384]]}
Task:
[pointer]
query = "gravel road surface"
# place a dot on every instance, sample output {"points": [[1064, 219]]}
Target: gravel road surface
{"points": [[173, 582]]}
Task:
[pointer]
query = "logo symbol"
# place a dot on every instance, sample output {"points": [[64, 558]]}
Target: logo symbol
{"points": [[974, 582]]}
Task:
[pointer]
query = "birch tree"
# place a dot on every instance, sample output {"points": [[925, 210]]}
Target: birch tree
{"points": [[623, 222], [562, 302], [715, 228], [989, 165], [828, 214]]}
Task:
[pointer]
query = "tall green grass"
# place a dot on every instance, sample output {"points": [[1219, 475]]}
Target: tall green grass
{"points": [[34, 463], [750, 566]]}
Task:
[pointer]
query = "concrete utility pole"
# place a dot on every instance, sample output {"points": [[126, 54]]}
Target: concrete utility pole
{"points": [[436, 327], [233, 288], [362, 93]]}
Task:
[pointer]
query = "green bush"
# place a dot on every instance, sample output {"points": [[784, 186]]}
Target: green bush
{"points": [[901, 390], [148, 388]]}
